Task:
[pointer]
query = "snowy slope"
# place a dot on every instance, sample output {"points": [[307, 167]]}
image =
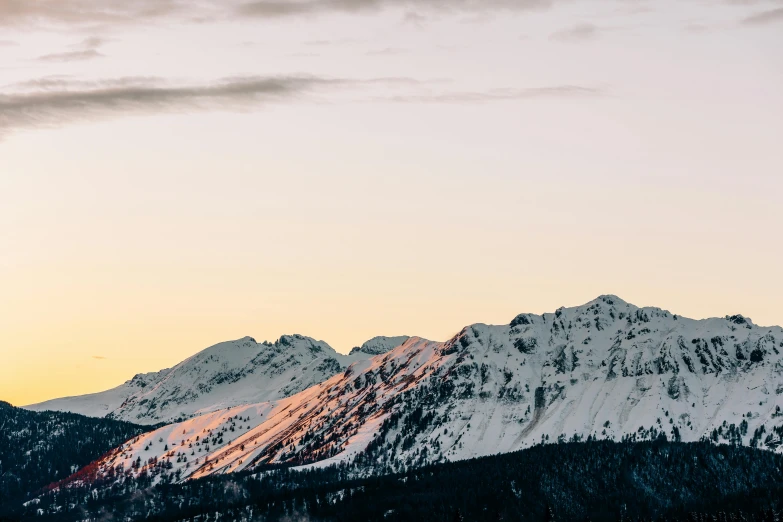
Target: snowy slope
{"points": [[224, 375], [606, 369], [103, 403]]}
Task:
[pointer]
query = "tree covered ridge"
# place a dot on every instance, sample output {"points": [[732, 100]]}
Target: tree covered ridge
{"points": [[596, 480], [39, 448]]}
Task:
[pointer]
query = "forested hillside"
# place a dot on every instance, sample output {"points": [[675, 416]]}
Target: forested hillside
{"points": [[571, 481], [37, 449]]}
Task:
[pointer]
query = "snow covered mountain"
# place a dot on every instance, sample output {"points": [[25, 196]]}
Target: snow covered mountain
{"points": [[221, 376], [377, 346], [606, 369]]}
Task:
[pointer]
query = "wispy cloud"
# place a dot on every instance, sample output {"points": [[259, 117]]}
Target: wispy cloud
{"points": [[696, 28], [8, 43], [99, 357], [388, 51], [84, 12], [92, 42], [71, 56], [87, 49], [557, 91], [276, 8], [415, 19], [764, 17], [338, 41], [576, 33], [57, 101], [108, 12]]}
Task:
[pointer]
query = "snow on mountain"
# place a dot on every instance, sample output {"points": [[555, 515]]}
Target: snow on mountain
{"points": [[103, 403], [377, 346], [221, 376], [606, 369]]}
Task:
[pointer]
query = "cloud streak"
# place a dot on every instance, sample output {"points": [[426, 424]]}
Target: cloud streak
{"points": [[494, 95], [764, 18], [86, 50], [57, 101], [71, 56], [278, 8], [84, 12], [107, 13], [388, 51], [112, 12], [577, 33]]}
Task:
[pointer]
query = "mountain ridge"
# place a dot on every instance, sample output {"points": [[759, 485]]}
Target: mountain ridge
{"points": [[603, 370], [223, 375]]}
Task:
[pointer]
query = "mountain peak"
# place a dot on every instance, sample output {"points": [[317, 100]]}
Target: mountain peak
{"points": [[610, 299], [378, 345], [739, 319]]}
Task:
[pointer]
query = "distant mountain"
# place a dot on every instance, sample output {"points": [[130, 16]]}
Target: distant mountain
{"points": [[221, 376], [40, 448], [604, 370]]}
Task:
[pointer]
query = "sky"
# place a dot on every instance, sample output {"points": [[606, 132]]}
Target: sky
{"points": [[178, 173]]}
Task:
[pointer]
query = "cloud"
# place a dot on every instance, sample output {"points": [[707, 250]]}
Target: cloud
{"points": [[87, 49], [696, 28], [277, 8], [99, 357], [57, 101], [8, 43], [71, 56], [415, 19], [557, 91], [108, 13], [576, 33], [93, 42], [388, 51], [764, 17], [340, 41], [84, 12]]}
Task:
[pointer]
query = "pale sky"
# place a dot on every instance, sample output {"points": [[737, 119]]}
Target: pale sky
{"points": [[177, 173]]}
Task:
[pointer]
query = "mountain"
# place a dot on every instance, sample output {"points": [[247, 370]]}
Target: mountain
{"points": [[39, 448], [604, 370], [224, 375], [377, 346], [598, 481]]}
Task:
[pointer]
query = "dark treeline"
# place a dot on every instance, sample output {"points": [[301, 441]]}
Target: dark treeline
{"points": [[38, 448], [599, 481]]}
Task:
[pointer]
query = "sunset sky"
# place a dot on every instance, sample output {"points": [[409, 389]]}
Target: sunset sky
{"points": [[177, 173]]}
